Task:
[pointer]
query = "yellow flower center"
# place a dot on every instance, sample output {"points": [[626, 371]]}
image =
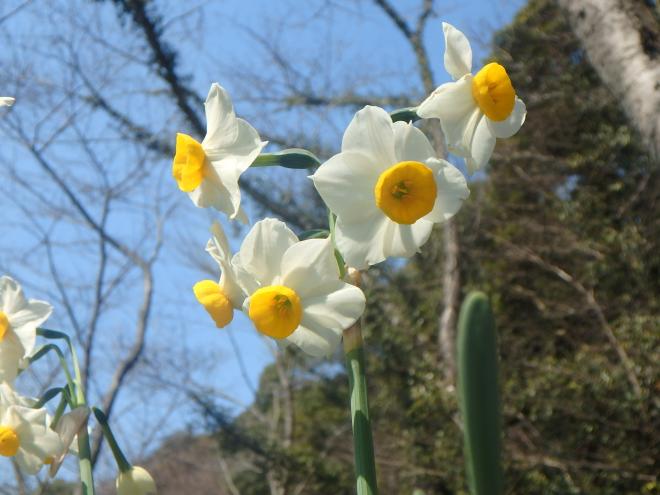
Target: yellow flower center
{"points": [[493, 92], [189, 163], [406, 192], [4, 325], [9, 441], [275, 311], [49, 460], [215, 302]]}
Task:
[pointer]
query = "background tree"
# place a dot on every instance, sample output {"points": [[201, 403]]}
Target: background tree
{"points": [[560, 231]]}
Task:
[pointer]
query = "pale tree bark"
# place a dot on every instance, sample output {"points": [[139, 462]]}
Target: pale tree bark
{"points": [[622, 41]]}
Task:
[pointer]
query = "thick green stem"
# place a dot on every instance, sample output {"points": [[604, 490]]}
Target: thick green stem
{"points": [[365, 466], [85, 462]]}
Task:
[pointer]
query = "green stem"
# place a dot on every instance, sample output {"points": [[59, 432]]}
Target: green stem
{"points": [[77, 399], [365, 466], [49, 395], [65, 367], [85, 462], [296, 158], [57, 335], [122, 462], [61, 407]]}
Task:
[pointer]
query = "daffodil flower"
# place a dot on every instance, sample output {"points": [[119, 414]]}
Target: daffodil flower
{"points": [[295, 293], [135, 481], [209, 171], [6, 101], [222, 297], [473, 110], [19, 319], [387, 189], [24, 433]]}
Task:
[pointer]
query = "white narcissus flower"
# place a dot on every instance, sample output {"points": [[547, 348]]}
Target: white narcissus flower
{"points": [[24, 433], [19, 319], [387, 189], [295, 293], [221, 298], [6, 101], [209, 171], [473, 110], [135, 481]]}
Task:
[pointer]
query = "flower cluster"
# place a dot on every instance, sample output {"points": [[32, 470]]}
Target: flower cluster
{"points": [[25, 432], [385, 190], [28, 433]]}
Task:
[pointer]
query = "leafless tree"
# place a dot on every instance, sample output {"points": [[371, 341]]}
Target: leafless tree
{"points": [[100, 95]]}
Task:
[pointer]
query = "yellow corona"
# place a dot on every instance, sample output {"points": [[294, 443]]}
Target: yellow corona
{"points": [[9, 441], [406, 192], [275, 310], [4, 325], [189, 163], [215, 301], [493, 92]]}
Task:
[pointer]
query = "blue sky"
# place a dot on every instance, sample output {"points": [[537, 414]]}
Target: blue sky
{"points": [[332, 46]]}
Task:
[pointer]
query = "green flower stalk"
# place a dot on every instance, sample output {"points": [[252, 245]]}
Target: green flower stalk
{"points": [[478, 395], [365, 466]]}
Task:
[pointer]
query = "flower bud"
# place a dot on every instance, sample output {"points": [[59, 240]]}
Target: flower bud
{"points": [[135, 481]]}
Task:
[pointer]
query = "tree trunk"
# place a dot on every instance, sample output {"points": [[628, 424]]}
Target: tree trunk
{"points": [[451, 293], [622, 40]]}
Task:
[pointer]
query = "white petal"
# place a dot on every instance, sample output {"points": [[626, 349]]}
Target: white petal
{"points": [[219, 189], [67, 428], [9, 397], [6, 101], [346, 183], [362, 244], [315, 341], [308, 265], [411, 144], [245, 142], [221, 125], [225, 132], [11, 295], [405, 240], [24, 323], [458, 53], [481, 149], [325, 317], [212, 193], [452, 190], [371, 133], [228, 172], [454, 105], [218, 248], [512, 124], [38, 442], [263, 248], [241, 216], [11, 353]]}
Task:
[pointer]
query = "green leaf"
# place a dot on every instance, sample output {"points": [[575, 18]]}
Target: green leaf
{"points": [[478, 394]]}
